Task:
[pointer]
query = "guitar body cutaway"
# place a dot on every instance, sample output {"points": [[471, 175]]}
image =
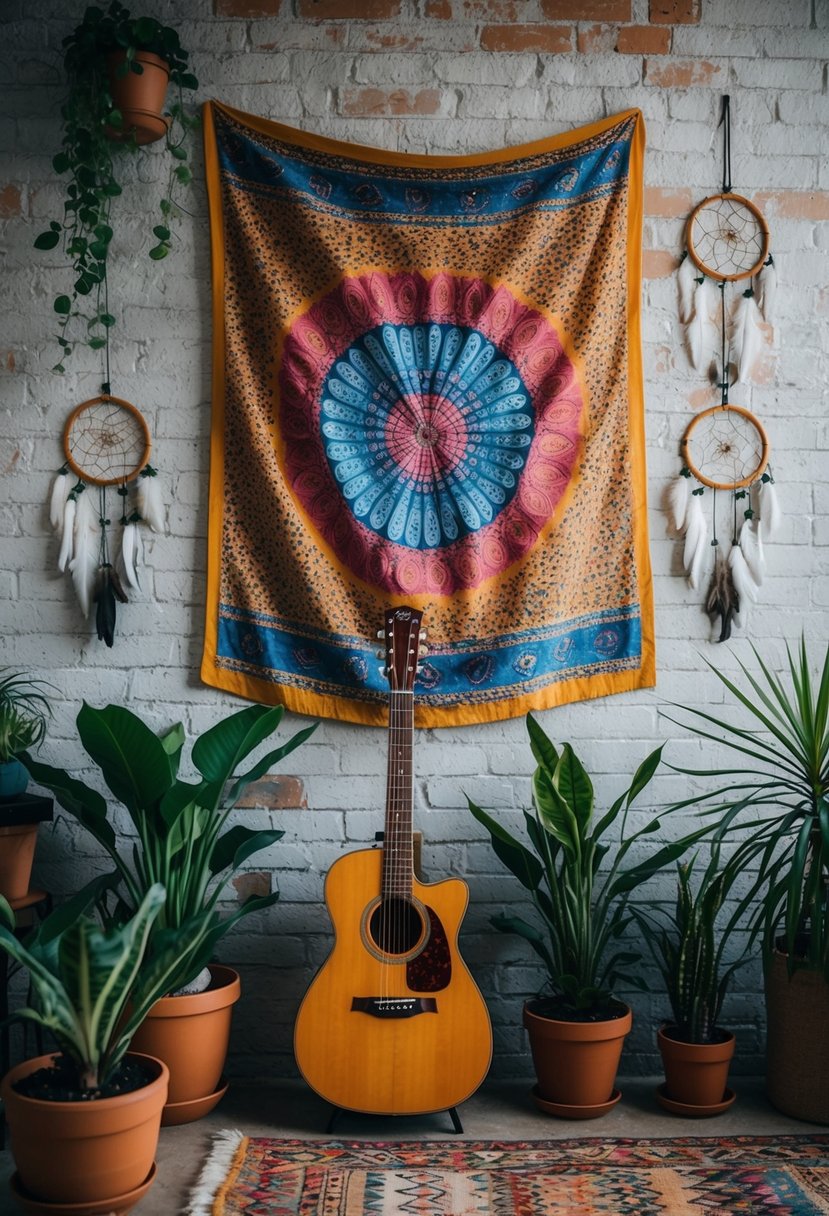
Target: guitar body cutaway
{"points": [[393, 1023]]}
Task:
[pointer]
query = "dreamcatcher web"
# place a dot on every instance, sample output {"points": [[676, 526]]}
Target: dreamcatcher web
{"points": [[726, 448], [106, 442], [727, 237]]}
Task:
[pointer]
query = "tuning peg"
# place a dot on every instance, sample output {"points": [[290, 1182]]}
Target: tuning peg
{"points": [[424, 650], [381, 633], [381, 654]]}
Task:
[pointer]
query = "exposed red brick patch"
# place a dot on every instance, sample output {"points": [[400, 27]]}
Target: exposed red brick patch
{"points": [[674, 12], [658, 263], [10, 362], [643, 40], [362, 103], [440, 9], [252, 884], [9, 202], [246, 8], [550, 39], [682, 74], [794, 204], [596, 39], [349, 10], [273, 792], [667, 203], [586, 10]]}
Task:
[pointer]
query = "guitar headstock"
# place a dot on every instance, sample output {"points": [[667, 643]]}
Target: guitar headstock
{"points": [[402, 633]]}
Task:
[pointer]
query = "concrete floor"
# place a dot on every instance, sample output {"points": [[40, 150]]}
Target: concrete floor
{"points": [[498, 1111]]}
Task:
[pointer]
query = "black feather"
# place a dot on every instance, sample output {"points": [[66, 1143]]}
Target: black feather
{"points": [[723, 600], [118, 586], [105, 611]]}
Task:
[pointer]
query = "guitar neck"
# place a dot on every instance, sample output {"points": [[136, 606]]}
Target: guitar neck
{"points": [[398, 859]]}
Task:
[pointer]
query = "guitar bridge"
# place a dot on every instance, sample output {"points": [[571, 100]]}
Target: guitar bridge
{"points": [[394, 1006]]}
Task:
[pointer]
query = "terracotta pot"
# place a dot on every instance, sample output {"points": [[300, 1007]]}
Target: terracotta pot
{"points": [[17, 853], [191, 1035], [797, 1048], [83, 1152], [695, 1073], [576, 1062], [140, 98]]}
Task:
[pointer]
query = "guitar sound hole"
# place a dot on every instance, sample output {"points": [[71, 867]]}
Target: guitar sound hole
{"points": [[395, 926]]}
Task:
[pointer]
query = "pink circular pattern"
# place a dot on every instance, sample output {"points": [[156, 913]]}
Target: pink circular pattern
{"points": [[427, 433]]}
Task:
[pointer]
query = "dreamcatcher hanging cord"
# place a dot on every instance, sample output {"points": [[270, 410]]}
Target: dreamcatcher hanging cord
{"points": [[725, 123]]}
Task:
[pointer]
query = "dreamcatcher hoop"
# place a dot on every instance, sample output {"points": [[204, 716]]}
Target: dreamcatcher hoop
{"points": [[727, 237], [742, 438], [106, 441]]}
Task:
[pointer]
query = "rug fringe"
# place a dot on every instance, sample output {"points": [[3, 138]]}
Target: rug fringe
{"points": [[214, 1172]]}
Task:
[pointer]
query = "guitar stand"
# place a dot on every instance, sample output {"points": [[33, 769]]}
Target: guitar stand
{"points": [[452, 1112]]}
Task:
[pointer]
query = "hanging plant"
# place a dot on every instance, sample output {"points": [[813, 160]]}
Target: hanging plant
{"points": [[109, 51]]}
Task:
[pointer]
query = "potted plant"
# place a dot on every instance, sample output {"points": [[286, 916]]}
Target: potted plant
{"points": [[24, 712], [688, 950], [108, 58], [183, 842], [84, 1123], [577, 1029], [776, 800]]}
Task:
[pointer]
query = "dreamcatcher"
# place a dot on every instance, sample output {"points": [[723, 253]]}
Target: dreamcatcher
{"points": [[725, 449], [106, 442], [727, 242]]}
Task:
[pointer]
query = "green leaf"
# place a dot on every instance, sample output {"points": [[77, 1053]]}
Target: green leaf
{"points": [[97, 343], [220, 749], [115, 119], [555, 813], [188, 81], [161, 232], [47, 240], [107, 319], [542, 748], [63, 305], [234, 848], [60, 162], [184, 175], [177, 152], [159, 251], [574, 785], [132, 759], [519, 860], [85, 804]]}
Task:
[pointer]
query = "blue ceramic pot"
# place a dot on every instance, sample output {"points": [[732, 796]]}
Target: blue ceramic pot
{"points": [[13, 779]]}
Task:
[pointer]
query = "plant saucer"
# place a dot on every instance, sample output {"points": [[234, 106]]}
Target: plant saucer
{"points": [[693, 1112], [564, 1110], [119, 1205], [187, 1112]]}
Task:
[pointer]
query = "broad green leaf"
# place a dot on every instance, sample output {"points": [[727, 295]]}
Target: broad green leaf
{"points": [[47, 240], [542, 748], [220, 749], [519, 860], [131, 757], [85, 804], [240, 843], [575, 787]]}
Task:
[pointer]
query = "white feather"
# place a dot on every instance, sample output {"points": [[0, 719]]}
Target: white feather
{"points": [[61, 489], [740, 573], [694, 528], [129, 539], [151, 502], [687, 273], [771, 516], [679, 491], [766, 289], [699, 561], [67, 536], [87, 551], [701, 331], [751, 546], [746, 337]]}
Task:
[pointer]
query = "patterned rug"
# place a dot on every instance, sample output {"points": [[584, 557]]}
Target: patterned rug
{"points": [[697, 1176]]}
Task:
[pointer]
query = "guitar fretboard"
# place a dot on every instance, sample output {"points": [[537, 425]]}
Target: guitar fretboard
{"points": [[397, 847]]}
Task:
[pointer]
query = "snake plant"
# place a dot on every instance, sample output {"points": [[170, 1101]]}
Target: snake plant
{"points": [[92, 988], [775, 801], [583, 909], [688, 948], [180, 825]]}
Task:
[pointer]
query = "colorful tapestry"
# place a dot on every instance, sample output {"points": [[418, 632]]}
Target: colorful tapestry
{"points": [[427, 390], [778, 1176]]}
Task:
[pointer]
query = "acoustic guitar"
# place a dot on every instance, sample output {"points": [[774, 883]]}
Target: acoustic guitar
{"points": [[393, 1022]]}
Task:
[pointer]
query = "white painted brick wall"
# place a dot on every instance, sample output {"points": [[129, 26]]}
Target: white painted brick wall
{"points": [[334, 78]]}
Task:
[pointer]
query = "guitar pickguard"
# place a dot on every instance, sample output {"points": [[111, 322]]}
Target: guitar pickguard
{"points": [[431, 970]]}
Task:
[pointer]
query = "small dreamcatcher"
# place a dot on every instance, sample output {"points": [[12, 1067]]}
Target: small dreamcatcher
{"points": [[106, 442], [725, 449], [727, 242]]}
